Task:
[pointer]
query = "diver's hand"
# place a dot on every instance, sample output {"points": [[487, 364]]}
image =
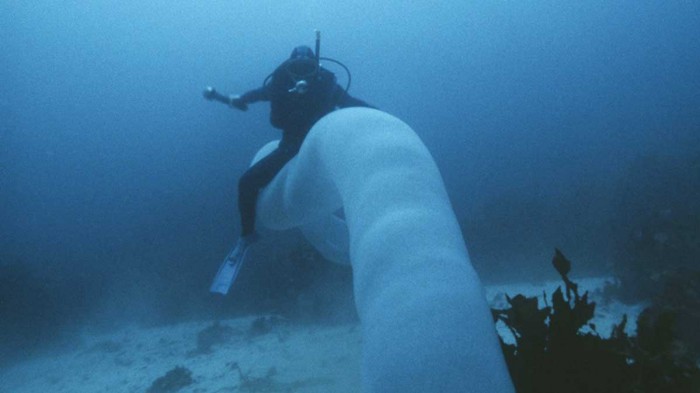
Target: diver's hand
{"points": [[237, 102], [209, 93]]}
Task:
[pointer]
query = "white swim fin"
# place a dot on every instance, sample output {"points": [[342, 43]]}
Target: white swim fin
{"points": [[229, 268]]}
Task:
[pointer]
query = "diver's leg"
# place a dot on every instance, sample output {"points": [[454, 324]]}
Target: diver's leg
{"points": [[249, 186], [254, 179]]}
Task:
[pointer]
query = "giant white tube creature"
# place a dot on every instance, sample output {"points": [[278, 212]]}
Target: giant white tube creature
{"points": [[425, 322]]}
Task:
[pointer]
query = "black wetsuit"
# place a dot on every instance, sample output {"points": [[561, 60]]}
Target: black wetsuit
{"points": [[294, 114]]}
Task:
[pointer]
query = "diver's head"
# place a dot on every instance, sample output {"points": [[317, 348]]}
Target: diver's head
{"points": [[302, 52], [302, 63]]}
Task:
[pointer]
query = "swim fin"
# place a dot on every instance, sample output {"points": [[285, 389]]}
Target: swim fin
{"points": [[229, 268]]}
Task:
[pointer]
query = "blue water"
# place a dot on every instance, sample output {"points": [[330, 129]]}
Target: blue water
{"points": [[119, 179]]}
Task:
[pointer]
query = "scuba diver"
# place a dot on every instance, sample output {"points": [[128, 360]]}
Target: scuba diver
{"points": [[300, 92]]}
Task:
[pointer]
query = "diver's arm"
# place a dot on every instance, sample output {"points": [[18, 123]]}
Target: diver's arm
{"points": [[237, 101], [255, 95], [211, 94], [241, 102]]}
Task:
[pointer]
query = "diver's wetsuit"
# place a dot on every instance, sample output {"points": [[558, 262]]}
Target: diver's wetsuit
{"points": [[294, 114]]}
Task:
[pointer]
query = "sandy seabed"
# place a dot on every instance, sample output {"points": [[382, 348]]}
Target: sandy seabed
{"points": [[283, 357]]}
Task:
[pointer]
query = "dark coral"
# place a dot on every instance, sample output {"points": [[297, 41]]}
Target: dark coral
{"points": [[552, 354]]}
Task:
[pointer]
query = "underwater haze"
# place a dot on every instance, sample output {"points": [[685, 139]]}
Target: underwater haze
{"points": [[118, 180]]}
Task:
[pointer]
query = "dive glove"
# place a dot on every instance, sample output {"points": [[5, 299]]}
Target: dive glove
{"points": [[237, 102]]}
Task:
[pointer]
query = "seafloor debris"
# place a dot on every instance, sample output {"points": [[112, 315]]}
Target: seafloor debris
{"points": [[269, 384], [264, 325], [214, 334], [172, 381], [251, 383], [553, 354]]}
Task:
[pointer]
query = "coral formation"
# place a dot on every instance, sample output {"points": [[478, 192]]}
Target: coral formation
{"points": [[553, 354]]}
